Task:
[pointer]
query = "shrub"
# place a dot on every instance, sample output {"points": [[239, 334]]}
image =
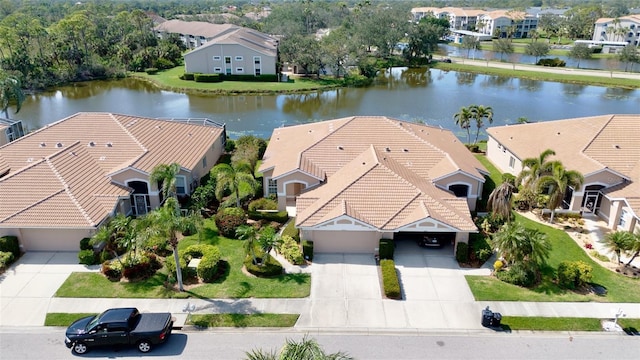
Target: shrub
{"points": [[509, 178], [474, 148], [140, 270], [462, 252], [354, 80], [253, 78], [574, 274], [6, 258], [307, 249], [555, 62], [390, 281], [151, 71], [208, 266], [84, 244], [480, 248], [268, 267], [158, 245], [170, 264], [386, 248], [163, 64], [599, 256], [279, 216], [263, 204], [112, 270], [292, 230], [290, 249], [10, 244], [228, 220], [207, 78], [518, 274], [87, 257], [188, 76]]}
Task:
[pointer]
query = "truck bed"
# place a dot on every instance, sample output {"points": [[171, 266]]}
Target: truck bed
{"points": [[151, 323]]}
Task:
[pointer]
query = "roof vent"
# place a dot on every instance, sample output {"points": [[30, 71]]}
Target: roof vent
{"points": [[109, 144], [616, 146], [43, 144], [340, 147], [387, 149], [30, 160], [405, 150], [59, 145], [558, 133], [158, 127], [73, 153], [92, 144], [102, 158]]}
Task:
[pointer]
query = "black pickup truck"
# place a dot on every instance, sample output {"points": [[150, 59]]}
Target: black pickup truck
{"points": [[121, 326]]}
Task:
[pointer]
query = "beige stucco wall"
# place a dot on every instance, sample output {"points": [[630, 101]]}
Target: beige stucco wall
{"points": [[51, 239], [475, 188], [325, 241], [201, 60], [289, 184]]}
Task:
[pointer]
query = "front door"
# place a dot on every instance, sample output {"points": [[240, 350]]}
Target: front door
{"points": [[140, 204], [590, 201]]}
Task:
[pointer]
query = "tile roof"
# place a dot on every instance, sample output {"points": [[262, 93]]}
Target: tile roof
{"points": [[59, 175], [369, 160], [196, 28], [587, 145], [376, 189]]}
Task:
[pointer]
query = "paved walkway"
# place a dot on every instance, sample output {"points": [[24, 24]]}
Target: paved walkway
{"points": [[345, 295]]}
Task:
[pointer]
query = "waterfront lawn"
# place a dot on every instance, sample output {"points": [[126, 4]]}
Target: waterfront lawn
{"points": [[233, 283], [619, 288], [541, 76], [170, 80], [242, 320]]}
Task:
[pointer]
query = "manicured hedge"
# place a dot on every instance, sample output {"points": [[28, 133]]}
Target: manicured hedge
{"points": [[252, 78], [290, 249], [87, 257], [207, 78], [307, 249], [151, 71], [6, 258], [263, 204], [390, 281], [574, 274], [188, 76], [207, 269], [292, 230], [84, 244], [386, 249], [555, 62], [228, 220], [10, 244], [462, 252], [280, 216], [270, 267]]}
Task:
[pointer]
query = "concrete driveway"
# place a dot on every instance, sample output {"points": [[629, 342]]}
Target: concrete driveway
{"points": [[346, 292], [26, 288]]}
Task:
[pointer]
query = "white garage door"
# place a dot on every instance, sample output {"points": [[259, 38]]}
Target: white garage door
{"points": [[345, 241], [51, 240]]}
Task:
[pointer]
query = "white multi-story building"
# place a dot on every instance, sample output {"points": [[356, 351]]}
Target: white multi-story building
{"points": [[622, 29]]}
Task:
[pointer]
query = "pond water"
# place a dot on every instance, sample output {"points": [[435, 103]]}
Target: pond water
{"points": [[428, 95]]}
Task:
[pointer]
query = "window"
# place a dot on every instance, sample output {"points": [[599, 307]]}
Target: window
{"points": [[217, 69], [257, 72], [216, 58], [239, 70], [238, 58], [256, 60], [272, 187], [204, 162], [181, 185], [623, 219], [227, 59], [512, 162]]}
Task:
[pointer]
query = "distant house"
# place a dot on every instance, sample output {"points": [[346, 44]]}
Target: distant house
{"points": [[10, 130], [605, 149], [356, 180], [238, 51], [60, 183], [625, 29], [192, 33]]}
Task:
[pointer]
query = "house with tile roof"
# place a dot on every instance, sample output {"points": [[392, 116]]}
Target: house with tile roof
{"points": [[60, 183], [192, 33], [353, 181], [605, 149], [625, 29], [239, 51]]}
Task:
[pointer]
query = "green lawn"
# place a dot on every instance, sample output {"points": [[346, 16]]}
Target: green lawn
{"points": [[542, 76], [169, 80], [64, 319], [563, 324], [233, 284], [619, 288], [243, 320]]}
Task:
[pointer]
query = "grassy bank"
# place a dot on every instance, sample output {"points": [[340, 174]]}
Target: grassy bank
{"points": [[170, 80], [542, 76], [563, 324], [243, 320], [64, 319]]}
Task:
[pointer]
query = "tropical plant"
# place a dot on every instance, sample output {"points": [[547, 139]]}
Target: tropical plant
{"points": [[479, 114], [499, 202], [231, 178], [557, 184], [268, 239], [519, 245], [533, 169], [305, 349], [249, 234], [634, 247], [165, 176], [618, 241], [10, 93], [463, 120]]}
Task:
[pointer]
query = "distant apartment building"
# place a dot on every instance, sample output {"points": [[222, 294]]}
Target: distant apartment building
{"points": [[192, 33], [501, 23], [617, 30]]}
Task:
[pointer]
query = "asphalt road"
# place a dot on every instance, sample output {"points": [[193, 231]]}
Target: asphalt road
{"points": [[47, 343]]}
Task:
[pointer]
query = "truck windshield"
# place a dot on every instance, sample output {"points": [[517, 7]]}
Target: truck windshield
{"points": [[94, 321]]}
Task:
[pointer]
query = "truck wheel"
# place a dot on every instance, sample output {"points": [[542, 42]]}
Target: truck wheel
{"points": [[80, 348], [144, 346]]}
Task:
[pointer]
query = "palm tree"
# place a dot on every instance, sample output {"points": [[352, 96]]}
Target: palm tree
{"points": [[481, 112], [10, 92], [305, 349], [249, 234], [534, 168], [167, 221], [232, 178], [499, 201], [165, 176], [558, 182], [268, 239], [519, 245], [618, 241], [463, 119], [634, 247]]}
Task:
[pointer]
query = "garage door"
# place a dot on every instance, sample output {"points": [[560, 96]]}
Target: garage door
{"points": [[345, 241], [51, 240]]}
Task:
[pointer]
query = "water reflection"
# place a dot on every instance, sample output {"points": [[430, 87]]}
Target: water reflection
{"points": [[530, 85]]}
